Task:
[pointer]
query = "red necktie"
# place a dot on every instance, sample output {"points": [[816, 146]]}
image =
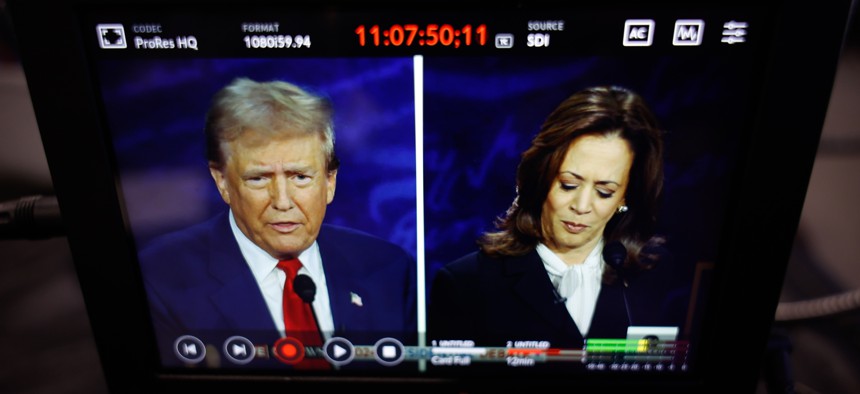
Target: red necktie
{"points": [[299, 320]]}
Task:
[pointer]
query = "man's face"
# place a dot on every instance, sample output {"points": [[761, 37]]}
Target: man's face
{"points": [[278, 190]]}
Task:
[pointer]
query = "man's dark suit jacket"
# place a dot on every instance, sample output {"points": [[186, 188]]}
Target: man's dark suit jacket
{"points": [[199, 284], [492, 301]]}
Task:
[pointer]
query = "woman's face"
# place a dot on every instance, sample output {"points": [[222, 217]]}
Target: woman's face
{"points": [[586, 192]]}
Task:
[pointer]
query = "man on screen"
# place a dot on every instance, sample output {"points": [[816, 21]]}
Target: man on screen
{"points": [[270, 148]]}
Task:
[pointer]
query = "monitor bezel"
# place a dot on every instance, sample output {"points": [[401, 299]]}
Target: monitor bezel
{"points": [[746, 291]]}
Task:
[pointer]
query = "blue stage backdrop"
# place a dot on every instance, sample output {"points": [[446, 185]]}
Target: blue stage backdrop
{"points": [[481, 113], [155, 114]]}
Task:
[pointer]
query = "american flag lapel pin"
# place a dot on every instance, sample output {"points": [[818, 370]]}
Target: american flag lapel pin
{"points": [[355, 299]]}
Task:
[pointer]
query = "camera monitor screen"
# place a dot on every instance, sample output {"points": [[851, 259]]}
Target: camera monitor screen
{"points": [[428, 193]]}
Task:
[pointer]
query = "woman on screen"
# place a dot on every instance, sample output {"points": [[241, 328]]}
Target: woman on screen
{"points": [[574, 256]]}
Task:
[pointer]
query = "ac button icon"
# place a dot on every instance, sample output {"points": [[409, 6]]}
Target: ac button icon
{"points": [[638, 32]]}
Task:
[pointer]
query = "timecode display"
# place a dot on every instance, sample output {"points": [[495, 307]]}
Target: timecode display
{"points": [[409, 35]]}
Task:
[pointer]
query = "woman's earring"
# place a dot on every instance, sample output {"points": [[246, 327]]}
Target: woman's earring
{"points": [[622, 209]]}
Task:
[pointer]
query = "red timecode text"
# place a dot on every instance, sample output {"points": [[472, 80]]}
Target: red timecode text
{"points": [[410, 35]]}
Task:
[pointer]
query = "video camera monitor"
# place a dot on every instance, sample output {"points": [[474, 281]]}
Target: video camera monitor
{"points": [[433, 107]]}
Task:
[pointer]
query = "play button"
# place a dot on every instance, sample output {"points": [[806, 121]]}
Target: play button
{"points": [[338, 351]]}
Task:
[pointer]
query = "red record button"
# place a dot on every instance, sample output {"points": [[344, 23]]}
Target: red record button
{"points": [[289, 350]]}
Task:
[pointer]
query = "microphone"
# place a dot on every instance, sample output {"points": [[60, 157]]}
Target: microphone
{"points": [[614, 253], [304, 286], [306, 289], [557, 298]]}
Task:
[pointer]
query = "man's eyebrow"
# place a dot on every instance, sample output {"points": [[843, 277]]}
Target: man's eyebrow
{"points": [[257, 170], [253, 170]]}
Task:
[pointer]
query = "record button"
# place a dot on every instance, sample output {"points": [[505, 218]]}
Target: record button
{"points": [[289, 350]]}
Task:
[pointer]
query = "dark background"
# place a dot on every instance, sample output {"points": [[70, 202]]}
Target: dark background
{"points": [[47, 345]]}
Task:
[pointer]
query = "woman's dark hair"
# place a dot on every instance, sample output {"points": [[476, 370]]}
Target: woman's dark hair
{"points": [[605, 111]]}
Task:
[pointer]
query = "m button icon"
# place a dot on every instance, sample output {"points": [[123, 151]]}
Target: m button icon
{"points": [[688, 32], [638, 32]]}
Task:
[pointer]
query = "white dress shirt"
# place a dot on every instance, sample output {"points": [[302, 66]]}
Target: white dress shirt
{"points": [[578, 284], [271, 280]]}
